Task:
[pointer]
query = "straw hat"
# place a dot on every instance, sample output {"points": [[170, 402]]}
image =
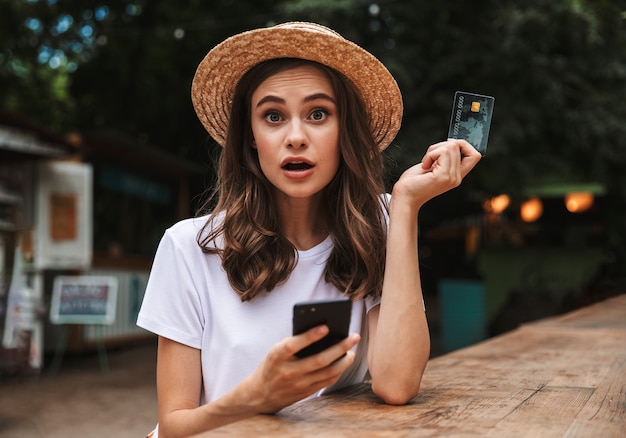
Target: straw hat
{"points": [[221, 69]]}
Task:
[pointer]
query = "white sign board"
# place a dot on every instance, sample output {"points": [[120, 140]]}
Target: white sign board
{"points": [[63, 226], [83, 300]]}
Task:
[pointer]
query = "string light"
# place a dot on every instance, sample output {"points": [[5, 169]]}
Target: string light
{"points": [[578, 202], [531, 209], [497, 204]]}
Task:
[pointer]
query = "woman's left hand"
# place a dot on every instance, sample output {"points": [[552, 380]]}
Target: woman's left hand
{"points": [[443, 167]]}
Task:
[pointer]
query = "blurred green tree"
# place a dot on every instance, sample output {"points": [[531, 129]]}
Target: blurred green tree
{"points": [[556, 67]]}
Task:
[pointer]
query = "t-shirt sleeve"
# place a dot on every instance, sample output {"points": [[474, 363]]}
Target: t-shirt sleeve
{"points": [[371, 302], [171, 306]]}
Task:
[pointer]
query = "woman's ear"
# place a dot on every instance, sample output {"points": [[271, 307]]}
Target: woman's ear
{"points": [[253, 144]]}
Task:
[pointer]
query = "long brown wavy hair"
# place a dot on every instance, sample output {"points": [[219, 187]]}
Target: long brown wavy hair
{"points": [[254, 253]]}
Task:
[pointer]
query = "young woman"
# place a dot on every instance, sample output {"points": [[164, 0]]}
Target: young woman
{"points": [[301, 215]]}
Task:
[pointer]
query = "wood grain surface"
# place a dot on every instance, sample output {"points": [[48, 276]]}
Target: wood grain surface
{"points": [[559, 377]]}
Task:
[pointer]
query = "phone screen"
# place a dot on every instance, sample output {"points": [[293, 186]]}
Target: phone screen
{"points": [[334, 313]]}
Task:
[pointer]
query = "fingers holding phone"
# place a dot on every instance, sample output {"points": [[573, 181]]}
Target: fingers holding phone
{"points": [[325, 326], [310, 360], [318, 327], [323, 351]]}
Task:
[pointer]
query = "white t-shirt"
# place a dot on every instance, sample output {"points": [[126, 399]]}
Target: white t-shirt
{"points": [[189, 300]]}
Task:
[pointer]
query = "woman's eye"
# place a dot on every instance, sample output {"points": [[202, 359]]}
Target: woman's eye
{"points": [[273, 117], [318, 115]]}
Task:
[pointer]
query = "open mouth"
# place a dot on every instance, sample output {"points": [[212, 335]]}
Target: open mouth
{"points": [[297, 166]]}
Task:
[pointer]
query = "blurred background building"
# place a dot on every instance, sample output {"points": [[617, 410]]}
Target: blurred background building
{"points": [[92, 205]]}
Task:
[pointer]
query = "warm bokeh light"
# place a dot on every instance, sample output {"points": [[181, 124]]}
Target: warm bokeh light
{"points": [[531, 210], [577, 202], [497, 204]]}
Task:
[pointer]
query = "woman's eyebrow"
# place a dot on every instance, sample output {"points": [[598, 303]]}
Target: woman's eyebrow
{"points": [[270, 98], [280, 100], [317, 96]]}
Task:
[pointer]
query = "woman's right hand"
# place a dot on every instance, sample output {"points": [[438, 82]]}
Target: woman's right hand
{"points": [[283, 378], [443, 167]]}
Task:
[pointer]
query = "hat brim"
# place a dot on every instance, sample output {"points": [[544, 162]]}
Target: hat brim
{"points": [[223, 67]]}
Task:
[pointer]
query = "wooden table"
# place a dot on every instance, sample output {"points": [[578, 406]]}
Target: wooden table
{"points": [[558, 377]]}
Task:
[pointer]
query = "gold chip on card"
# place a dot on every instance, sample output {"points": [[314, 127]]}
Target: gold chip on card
{"points": [[475, 107]]}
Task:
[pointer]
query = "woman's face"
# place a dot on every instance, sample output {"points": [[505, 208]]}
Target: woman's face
{"points": [[296, 131]]}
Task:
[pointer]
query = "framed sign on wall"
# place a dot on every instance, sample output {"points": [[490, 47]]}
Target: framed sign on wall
{"points": [[64, 219], [83, 300]]}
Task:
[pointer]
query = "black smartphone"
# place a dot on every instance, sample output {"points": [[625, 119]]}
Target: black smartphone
{"points": [[334, 313]]}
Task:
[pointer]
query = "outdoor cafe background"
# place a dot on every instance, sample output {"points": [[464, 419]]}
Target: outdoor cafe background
{"points": [[90, 206], [95, 204]]}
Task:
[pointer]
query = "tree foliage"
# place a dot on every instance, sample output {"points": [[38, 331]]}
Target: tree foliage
{"points": [[556, 67]]}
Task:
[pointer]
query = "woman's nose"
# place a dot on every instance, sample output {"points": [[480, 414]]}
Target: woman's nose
{"points": [[296, 136]]}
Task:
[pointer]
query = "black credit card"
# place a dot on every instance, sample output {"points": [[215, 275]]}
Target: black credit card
{"points": [[471, 119]]}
